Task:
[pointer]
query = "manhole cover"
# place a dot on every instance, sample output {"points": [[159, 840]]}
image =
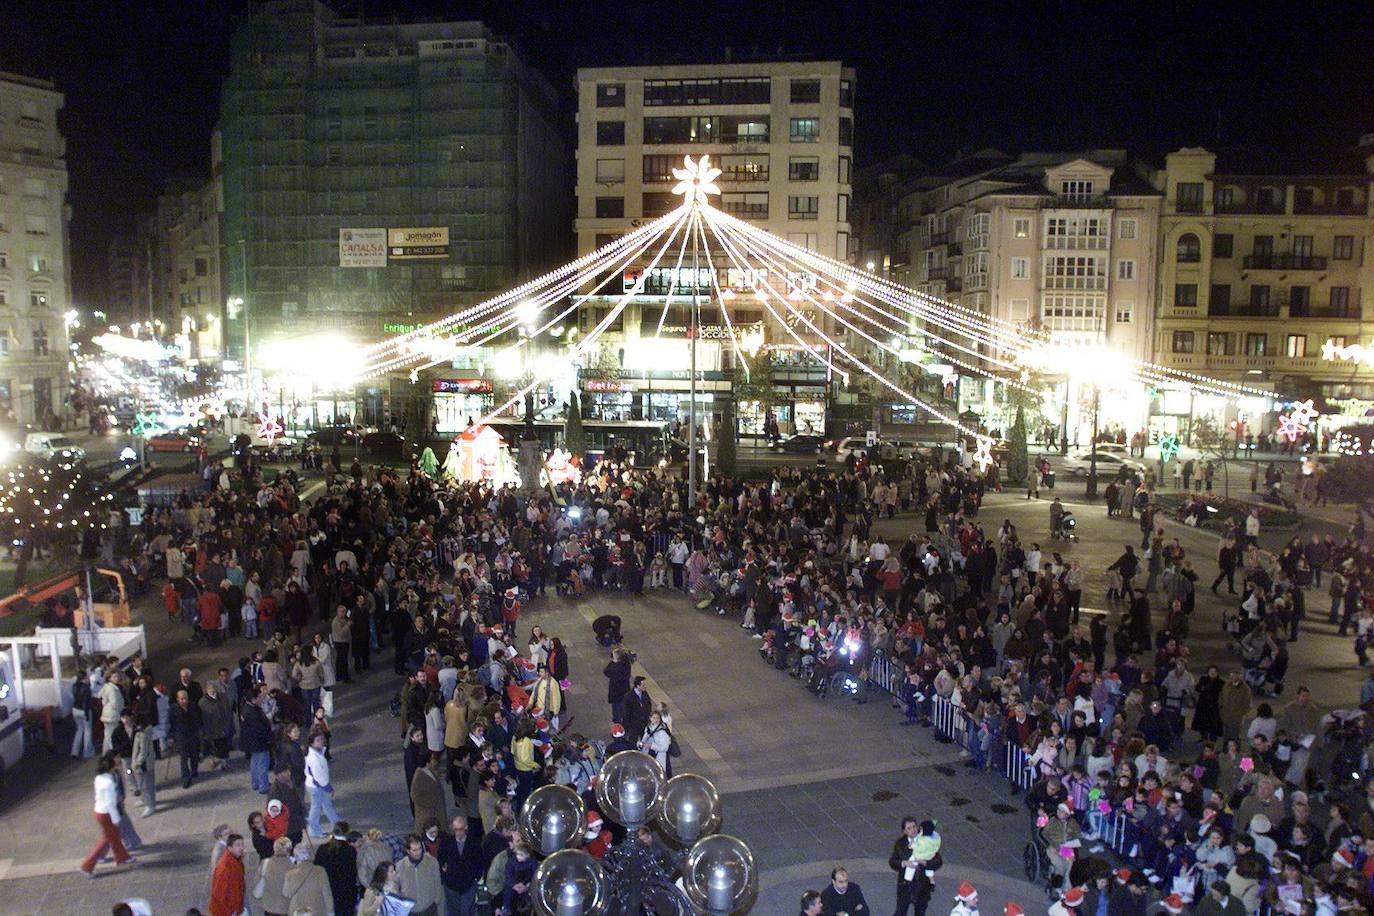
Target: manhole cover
{"points": [[883, 795]]}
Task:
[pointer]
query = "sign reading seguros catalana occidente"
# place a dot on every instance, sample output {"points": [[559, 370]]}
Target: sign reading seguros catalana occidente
{"points": [[362, 247], [430, 242]]}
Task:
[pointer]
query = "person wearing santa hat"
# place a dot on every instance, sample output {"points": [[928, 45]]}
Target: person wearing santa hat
{"points": [[1013, 909], [965, 901], [597, 839], [1172, 904], [1071, 904]]}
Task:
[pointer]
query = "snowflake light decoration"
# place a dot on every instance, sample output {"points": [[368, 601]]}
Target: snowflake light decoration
{"points": [[1168, 447], [982, 454], [269, 429], [696, 178]]}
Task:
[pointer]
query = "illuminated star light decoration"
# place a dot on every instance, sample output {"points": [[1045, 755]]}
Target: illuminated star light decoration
{"points": [[1290, 428], [269, 429], [696, 178], [982, 454], [1168, 447], [1304, 413], [145, 424]]}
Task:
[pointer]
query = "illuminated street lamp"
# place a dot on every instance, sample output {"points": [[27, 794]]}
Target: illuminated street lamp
{"points": [[718, 873]]}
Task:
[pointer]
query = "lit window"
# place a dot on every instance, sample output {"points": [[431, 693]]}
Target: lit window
{"points": [[1124, 312], [805, 130], [1021, 227], [1296, 346]]}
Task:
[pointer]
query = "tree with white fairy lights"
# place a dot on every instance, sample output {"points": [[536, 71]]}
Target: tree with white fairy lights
{"points": [[50, 505]]}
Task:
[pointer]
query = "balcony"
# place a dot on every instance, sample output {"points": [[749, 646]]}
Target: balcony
{"points": [[1271, 207], [1331, 208], [935, 273], [954, 285], [954, 250], [1284, 262], [938, 238], [1241, 310], [1350, 313], [1188, 206], [1080, 201]]}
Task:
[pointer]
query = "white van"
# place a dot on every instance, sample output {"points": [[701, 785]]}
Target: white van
{"points": [[52, 445], [11, 722]]}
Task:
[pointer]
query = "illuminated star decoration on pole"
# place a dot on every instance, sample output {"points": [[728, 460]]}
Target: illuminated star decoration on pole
{"points": [[1290, 428], [697, 179], [1293, 426], [982, 455], [1168, 447], [1304, 413], [269, 429], [145, 424]]}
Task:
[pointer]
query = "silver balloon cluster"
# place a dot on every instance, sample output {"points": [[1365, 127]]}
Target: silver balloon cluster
{"points": [[717, 870]]}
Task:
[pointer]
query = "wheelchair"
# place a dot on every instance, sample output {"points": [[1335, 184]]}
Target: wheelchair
{"points": [[1035, 860]]}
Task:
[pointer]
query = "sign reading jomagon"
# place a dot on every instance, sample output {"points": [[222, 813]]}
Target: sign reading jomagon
{"points": [[429, 242], [362, 247]]}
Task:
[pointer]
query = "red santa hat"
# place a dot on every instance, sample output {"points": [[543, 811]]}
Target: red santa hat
{"points": [[1013, 909], [540, 723], [510, 593], [617, 731], [1173, 904], [1073, 897], [594, 823], [1344, 858], [967, 893], [1123, 875]]}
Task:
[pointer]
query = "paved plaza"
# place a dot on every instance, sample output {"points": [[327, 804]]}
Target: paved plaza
{"points": [[808, 783]]}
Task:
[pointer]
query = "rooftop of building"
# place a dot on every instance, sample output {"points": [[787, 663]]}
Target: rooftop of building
{"points": [[731, 60], [30, 82], [1354, 160]]}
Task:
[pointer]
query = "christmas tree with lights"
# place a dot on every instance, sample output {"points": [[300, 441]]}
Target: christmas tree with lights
{"points": [[48, 506]]}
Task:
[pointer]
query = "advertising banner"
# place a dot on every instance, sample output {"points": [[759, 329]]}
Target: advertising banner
{"points": [[405, 244], [362, 247]]}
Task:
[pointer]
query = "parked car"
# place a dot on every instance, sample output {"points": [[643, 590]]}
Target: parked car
{"points": [[843, 448], [330, 436], [284, 445], [383, 445], [1109, 464], [176, 440], [799, 444], [53, 445]]}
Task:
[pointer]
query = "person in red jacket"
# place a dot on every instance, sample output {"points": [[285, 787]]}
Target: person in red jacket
{"points": [[598, 840], [209, 608], [226, 885]]}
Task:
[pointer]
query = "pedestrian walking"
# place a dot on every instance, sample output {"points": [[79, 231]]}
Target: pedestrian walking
{"points": [[319, 787], [186, 722], [83, 709], [106, 816]]}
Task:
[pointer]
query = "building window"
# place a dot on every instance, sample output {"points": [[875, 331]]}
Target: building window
{"points": [[1124, 312], [805, 130], [605, 238], [804, 91], [1125, 269], [1219, 298], [752, 90], [1222, 245], [1295, 346], [1020, 268], [1021, 227], [1020, 310], [1267, 199], [1263, 248], [808, 240], [35, 187], [657, 203], [1127, 228], [1299, 300], [1256, 344], [610, 133], [1189, 196], [749, 205], [706, 129], [40, 339], [1340, 301], [844, 169], [1182, 342], [4, 343], [1219, 343], [610, 95], [846, 131], [660, 168], [38, 300], [803, 207], [803, 169], [1343, 247], [1185, 295], [846, 94], [610, 207], [978, 225], [741, 167], [38, 263], [4, 297], [611, 171], [842, 208], [1076, 189], [1338, 341], [1259, 297], [202, 267], [1189, 249], [842, 245], [4, 257], [35, 225]]}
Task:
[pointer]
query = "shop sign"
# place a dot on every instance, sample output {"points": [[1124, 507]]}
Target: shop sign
{"points": [[411, 244], [462, 386], [362, 247], [597, 384], [396, 327], [1352, 407]]}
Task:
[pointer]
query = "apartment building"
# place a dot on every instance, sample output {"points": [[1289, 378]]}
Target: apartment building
{"points": [[1262, 268], [35, 277], [433, 141], [782, 132]]}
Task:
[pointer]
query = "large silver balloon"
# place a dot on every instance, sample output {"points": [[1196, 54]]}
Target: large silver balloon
{"points": [[720, 876], [630, 788], [554, 818], [691, 808], [569, 883]]}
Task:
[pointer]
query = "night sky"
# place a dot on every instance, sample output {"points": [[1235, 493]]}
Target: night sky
{"points": [[142, 77]]}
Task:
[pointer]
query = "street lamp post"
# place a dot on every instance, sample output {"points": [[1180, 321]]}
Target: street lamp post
{"points": [[718, 876], [1091, 492], [694, 331]]}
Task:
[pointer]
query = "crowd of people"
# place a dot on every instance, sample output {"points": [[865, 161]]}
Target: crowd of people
{"points": [[441, 575]]}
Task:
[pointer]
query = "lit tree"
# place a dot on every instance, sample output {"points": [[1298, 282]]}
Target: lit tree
{"points": [[1018, 457], [574, 437], [1216, 444], [56, 503]]}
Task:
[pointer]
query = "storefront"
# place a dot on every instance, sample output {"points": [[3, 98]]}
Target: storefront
{"points": [[459, 402], [608, 399]]}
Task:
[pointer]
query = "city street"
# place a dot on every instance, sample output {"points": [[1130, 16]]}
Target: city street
{"points": [[807, 783]]}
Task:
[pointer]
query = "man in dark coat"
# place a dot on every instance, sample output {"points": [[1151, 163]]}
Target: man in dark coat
{"points": [[914, 885], [185, 726], [285, 791], [460, 865], [255, 740], [339, 859], [637, 710], [617, 673]]}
